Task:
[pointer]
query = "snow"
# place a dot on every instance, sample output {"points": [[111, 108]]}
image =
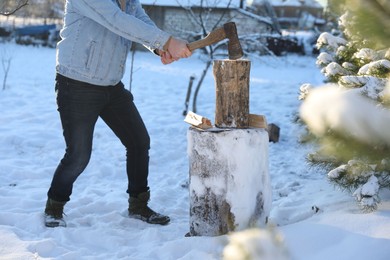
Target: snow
{"points": [[304, 90], [335, 173], [311, 3], [330, 40], [334, 69], [324, 59], [374, 66], [232, 3], [316, 220], [371, 187], [255, 242], [366, 126], [366, 54]]}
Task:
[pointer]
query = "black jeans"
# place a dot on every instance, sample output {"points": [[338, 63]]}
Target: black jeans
{"points": [[80, 105]]}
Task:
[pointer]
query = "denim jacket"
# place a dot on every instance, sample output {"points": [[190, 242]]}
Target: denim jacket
{"points": [[97, 36]]}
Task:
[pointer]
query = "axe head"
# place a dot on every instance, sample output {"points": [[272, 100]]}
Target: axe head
{"points": [[228, 31], [234, 47]]}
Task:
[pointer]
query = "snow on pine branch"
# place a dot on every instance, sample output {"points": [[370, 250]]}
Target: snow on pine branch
{"points": [[367, 194], [363, 178], [367, 124], [367, 55], [378, 67], [330, 41], [334, 70], [324, 59]]}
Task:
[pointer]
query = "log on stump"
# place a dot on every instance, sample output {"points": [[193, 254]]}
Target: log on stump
{"points": [[229, 180], [232, 93]]}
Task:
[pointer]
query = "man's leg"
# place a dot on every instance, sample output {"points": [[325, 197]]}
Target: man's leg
{"points": [[79, 106], [122, 116]]}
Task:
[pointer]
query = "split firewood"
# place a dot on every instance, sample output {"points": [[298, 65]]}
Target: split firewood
{"points": [[257, 121], [273, 132], [197, 121]]}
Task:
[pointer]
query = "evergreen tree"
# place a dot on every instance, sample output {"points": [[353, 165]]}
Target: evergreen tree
{"points": [[356, 59]]}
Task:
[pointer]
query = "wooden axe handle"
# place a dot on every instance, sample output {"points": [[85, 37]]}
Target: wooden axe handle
{"points": [[213, 37]]}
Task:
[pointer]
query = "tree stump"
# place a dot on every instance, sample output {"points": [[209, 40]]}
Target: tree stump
{"points": [[232, 93], [229, 181]]}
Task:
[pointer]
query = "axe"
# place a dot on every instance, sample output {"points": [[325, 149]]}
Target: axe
{"points": [[228, 31]]}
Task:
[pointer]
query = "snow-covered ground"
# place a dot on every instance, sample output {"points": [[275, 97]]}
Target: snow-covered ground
{"points": [[317, 220]]}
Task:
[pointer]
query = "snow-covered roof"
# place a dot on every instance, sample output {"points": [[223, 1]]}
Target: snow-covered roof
{"points": [[309, 3], [255, 16], [233, 3], [208, 3]]}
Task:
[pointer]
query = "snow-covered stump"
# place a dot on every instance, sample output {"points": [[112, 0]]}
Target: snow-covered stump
{"points": [[229, 180]]}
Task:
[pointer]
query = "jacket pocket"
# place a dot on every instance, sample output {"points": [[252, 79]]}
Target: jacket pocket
{"points": [[90, 54]]}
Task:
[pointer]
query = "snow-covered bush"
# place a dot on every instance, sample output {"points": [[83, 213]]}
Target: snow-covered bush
{"points": [[251, 244], [348, 118], [304, 90], [362, 180]]}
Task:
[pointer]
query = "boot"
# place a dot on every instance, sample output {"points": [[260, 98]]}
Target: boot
{"points": [[54, 212], [138, 208]]}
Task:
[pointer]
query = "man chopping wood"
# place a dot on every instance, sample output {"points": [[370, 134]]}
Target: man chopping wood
{"points": [[90, 63]]}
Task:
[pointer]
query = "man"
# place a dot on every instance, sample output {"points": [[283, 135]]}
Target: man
{"points": [[90, 64]]}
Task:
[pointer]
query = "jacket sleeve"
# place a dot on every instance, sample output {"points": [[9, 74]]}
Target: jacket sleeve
{"points": [[141, 14], [137, 28]]}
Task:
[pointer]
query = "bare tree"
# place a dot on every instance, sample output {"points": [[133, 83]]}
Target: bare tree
{"points": [[203, 20], [8, 8], [6, 64], [49, 9]]}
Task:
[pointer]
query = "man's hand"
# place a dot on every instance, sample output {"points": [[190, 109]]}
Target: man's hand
{"points": [[178, 49], [166, 57], [174, 49]]}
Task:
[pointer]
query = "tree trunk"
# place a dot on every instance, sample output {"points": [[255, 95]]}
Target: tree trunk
{"points": [[230, 187], [232, 93]]}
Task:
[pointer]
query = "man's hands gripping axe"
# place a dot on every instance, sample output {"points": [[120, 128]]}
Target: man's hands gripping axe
{"points": [[174, 50]]}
